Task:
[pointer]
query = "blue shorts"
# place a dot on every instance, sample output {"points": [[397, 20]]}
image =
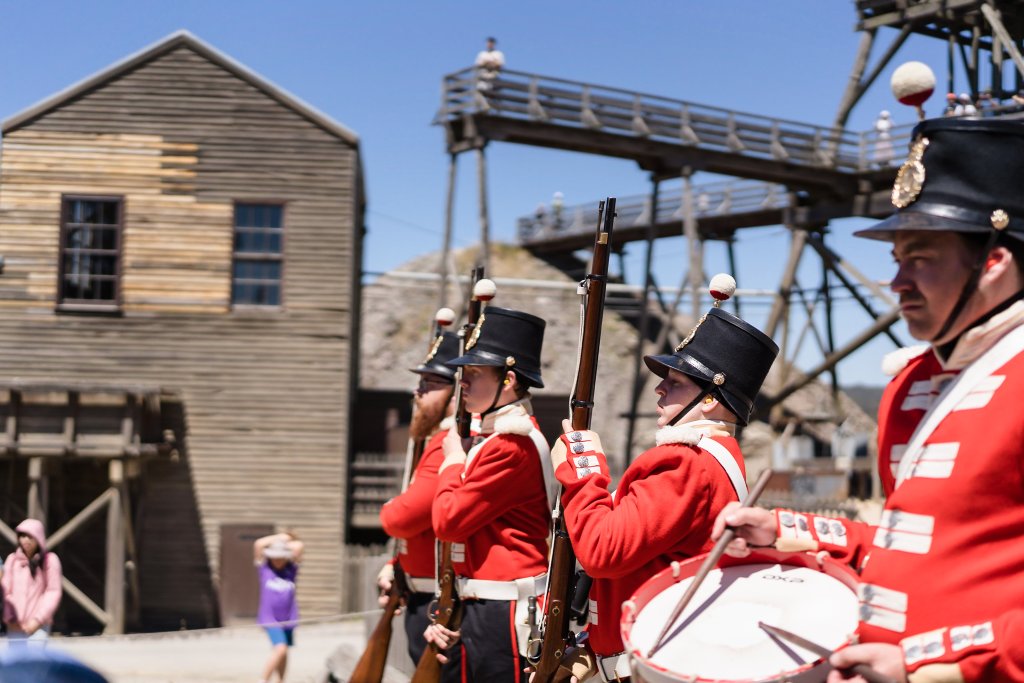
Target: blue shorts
{"points": [[280, 636]]}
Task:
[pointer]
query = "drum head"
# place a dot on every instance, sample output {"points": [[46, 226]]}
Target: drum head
{"points": [[717, 637]]}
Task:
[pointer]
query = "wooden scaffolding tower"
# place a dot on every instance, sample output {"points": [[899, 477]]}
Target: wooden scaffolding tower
{"points": [[791, 173]]}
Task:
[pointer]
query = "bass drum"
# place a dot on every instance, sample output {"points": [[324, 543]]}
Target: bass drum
{"points": [[717, 637]]}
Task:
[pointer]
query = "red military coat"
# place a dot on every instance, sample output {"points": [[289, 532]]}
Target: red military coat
{"points": [[407, 515], [662, 511], [943, 572], [495, 509]]}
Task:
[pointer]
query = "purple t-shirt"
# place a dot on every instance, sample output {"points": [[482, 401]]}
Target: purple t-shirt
{"points": [[277, 596]]}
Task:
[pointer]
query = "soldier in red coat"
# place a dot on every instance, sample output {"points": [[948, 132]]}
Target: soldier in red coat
{"points": [[406, 517], [667, 499], [493, 499], [942, 592]]}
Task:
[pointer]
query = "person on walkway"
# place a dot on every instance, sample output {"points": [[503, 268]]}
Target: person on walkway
{"points": [[883, 143], [489, 63], [277, 558], [31, 585]]}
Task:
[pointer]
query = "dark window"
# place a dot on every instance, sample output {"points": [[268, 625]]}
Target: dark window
{"points": [[90, 256], [256, 271]]}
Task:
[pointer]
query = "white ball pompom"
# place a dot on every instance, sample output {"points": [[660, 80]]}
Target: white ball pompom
{"points": [[913, 83], [484, 290], [444, 317], [722, 286]]}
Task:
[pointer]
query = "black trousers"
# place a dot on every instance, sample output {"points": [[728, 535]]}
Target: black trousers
{"points": [[491, 645], [417, 618]]}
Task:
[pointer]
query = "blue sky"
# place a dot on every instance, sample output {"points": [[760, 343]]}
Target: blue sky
{"points": [[377, 67]]}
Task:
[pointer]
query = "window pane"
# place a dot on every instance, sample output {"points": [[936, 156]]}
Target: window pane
{"points": [[274, 216], [105, 265], [243, 240], [273, 295], [274, 243], [105, 290], [266, 294], [105, 238], [109, 215]]}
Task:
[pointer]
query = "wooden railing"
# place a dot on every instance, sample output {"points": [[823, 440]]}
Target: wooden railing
{"points": [[543, 99], [711, 200]]}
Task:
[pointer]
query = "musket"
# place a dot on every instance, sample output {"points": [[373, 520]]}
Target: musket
{"points": [[546, 653], [446, 610], [370, 667]]}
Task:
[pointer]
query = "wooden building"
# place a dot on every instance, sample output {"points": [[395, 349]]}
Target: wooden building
{"points": [[181, 244]]}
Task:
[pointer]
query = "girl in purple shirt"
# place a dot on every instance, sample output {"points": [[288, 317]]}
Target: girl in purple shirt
{"points": [[277, 559]]}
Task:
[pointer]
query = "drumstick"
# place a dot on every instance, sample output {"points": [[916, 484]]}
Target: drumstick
{"points": [[862, 670], [710, 561]]}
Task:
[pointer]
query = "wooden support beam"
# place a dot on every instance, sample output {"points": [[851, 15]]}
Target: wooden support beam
{"points": [[78, 520], [641, 338], [8, 533], [36, 503], [449, 218], [485, 226], [13, 422], [1000, 32], [919, 12], [695, 247], [114, 585], [883, 323], [780, 306], [82, 599]]}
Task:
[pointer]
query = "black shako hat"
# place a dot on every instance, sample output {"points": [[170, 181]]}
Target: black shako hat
{"points": [[507, 339], [962, 175], [726, 356], [444, 348]]}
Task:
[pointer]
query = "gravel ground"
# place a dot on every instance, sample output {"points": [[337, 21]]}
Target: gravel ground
{"points": [[228, 655]]}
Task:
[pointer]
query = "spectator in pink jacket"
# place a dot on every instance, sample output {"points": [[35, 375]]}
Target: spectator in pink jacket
{"points": [[31, 586]]}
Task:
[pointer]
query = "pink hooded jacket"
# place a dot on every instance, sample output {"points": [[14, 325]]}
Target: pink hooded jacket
{"points": [[28, 597]]}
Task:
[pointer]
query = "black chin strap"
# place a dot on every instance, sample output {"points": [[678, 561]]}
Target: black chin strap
{"points": [[704, 391], [497, 394], [970, 286]]}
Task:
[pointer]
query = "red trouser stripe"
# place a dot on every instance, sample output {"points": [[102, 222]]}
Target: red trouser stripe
{"points": [[515, 640]]}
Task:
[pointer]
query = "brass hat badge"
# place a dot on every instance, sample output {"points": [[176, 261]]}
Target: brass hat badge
{"points": [[910, 177]]}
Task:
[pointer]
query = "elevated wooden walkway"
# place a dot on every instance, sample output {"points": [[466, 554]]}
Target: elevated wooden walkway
{"points": [[720, 209], [663, 135]]}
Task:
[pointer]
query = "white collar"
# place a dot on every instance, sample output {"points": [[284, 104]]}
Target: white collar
{"points": [[516, 408]]}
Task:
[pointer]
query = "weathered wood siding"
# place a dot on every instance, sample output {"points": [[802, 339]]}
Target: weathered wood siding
{"points": [[265, 392]]}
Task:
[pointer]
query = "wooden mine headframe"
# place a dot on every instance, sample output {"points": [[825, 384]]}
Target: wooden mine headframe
{"points": [[805, 175]]}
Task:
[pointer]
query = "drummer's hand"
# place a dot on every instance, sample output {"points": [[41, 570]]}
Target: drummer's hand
{"points": [[753, 527], [442, 637], [454, 450], [883, 658], [590, 440]]}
